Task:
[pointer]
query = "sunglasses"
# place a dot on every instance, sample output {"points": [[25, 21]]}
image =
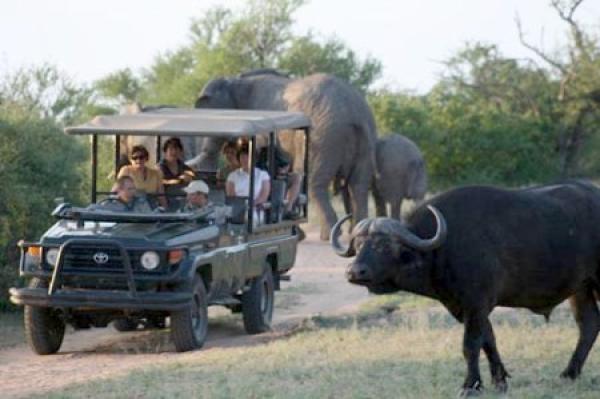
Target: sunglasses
{"points": [[138, 157]]}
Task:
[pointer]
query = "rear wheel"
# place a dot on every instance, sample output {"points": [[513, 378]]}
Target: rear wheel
{"points": [[44, 327], [190, 326], [257, 303]]}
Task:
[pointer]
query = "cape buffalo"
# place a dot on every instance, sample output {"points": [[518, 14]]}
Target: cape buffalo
{"points": [[488, 247]]}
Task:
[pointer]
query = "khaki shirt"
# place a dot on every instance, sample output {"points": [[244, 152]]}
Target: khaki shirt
{"points": [[151, 183]]}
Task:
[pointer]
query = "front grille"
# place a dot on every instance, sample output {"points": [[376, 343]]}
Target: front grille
{"points": [[80, 258]]}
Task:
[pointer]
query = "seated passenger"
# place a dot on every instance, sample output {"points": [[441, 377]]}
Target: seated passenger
{"points": [[125, 199], [229, 152], [176, 174], [238, 183], [197, 197], [147, 180], [282, 166]]}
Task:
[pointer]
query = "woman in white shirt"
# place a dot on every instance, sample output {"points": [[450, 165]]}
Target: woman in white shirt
{"points": [[238, 181]]}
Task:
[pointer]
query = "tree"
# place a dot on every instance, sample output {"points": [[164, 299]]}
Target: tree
{"points": [[121, 85], [577, 70], [39, 163], [306, 56], [225, 42], [47, 92]]}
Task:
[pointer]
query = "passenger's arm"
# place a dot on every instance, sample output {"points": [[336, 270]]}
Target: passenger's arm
{"points": [[265, 190], [230, 189], [160, 190]]}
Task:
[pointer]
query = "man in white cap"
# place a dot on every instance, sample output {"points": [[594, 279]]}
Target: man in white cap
{"points": [[197, 196]]}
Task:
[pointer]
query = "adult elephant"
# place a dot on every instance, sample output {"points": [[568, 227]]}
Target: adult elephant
{"points": [[343, 135], [401, 176]]}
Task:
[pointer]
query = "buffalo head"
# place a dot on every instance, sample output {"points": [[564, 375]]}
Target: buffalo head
{"points": [[385, 250]]}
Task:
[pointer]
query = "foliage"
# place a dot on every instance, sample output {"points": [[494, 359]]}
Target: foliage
{"points": [[47, 92], [227, 42], [39, 163], [306, 55]]}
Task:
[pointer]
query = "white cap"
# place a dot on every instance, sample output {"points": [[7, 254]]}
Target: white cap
{"points": [[196, 186]]}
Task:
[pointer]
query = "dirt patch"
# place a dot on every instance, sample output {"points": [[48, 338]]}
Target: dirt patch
{"points": [[318, 286]]}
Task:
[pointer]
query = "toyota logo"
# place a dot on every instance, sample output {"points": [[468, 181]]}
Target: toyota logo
{"points": [[100, 258]]}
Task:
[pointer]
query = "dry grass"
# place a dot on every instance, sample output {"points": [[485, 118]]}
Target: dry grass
{"points": [[396, 347]]}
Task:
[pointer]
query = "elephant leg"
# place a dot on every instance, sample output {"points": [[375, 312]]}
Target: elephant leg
{"points": [[380, 206], [396, 208], [320, 195], [347, 204], [359, 193]]}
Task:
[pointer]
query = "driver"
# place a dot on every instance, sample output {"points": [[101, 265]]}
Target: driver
{"points": [[125, 199]]}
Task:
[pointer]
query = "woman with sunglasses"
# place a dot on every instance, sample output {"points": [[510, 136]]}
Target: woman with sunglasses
{"points": [[147, 180]]}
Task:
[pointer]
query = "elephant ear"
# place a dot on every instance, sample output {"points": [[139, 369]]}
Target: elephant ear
{"points": [[216, 94]]}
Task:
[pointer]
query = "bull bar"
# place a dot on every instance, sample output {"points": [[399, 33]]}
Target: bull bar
{"points": [[130, 299]]}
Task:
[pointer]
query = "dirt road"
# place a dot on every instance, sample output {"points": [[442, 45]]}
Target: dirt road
{"points": [[317, 286]]}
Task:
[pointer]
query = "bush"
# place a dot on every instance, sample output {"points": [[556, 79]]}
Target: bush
{"points": [[39, 163]]}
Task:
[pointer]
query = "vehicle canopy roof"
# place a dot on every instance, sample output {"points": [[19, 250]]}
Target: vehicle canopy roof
{"points": [[193, 122]]}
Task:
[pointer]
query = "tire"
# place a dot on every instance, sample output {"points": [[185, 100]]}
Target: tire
{"points": [[190, 326], [257, 303], [125, 324], [44, 327]]}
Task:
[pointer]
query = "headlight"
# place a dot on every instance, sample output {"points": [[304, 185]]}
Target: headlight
{"points": [[150, 260], [52, 256]]}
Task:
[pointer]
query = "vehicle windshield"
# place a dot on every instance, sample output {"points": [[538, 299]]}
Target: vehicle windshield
{"points": [[68, 212]]}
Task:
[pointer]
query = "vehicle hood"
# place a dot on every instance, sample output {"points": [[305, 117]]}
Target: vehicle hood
{"points": [[167, 233]]}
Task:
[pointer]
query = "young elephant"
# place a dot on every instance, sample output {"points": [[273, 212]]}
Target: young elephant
{"points": [[402, 175]]}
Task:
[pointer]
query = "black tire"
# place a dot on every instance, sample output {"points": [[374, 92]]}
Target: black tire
{"points": [[125, 324], [257, 303], [44, 327], [190, 326]]}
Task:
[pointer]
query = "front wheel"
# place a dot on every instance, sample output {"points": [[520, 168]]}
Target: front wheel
{"points": [[44, 327], [257, 303], [190, 326]]}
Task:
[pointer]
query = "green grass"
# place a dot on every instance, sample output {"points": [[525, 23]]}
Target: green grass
{"points": [[395, 347]]}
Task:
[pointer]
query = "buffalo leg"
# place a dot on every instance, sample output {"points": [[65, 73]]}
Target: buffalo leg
{"points": [[472, 343], [499, 373], [585, 310]]}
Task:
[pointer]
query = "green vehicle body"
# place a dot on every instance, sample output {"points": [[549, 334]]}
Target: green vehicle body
{"points": [[97, 274]]}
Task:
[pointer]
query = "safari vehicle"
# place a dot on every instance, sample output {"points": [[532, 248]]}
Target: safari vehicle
{"points": [[95, 266]]}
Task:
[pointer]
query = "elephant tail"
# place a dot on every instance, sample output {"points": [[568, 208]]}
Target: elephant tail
{"points": [[418, 181], [367, 129]]}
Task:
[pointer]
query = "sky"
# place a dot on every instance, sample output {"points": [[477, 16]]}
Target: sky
{"points": [[90, 39]]}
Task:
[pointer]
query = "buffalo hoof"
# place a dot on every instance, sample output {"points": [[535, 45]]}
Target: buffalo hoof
{"points": [[570, 373], [474, 390], [501, 386]]}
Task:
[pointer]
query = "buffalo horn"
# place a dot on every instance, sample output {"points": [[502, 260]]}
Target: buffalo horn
{"points": [[410, 239], [334, 238]]}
